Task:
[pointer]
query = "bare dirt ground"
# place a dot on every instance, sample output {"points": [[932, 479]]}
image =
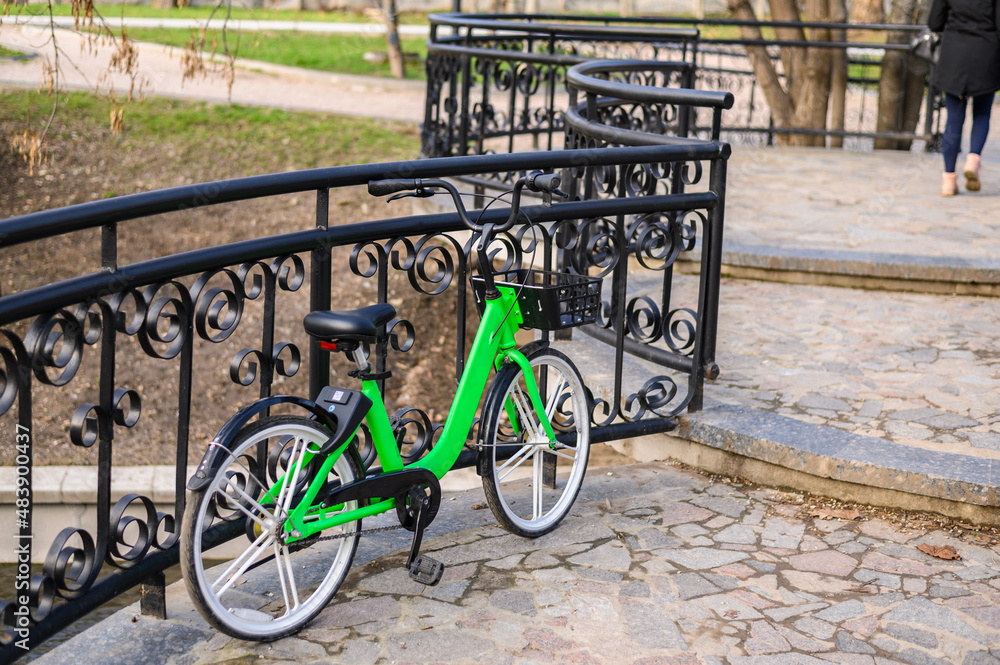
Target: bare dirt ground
{"points": [[87, 165]]}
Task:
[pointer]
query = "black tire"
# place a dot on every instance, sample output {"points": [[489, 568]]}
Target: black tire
{"points": [[247, 595], [526, 505]]}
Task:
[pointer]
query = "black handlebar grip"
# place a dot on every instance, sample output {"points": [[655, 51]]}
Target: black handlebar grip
{"points": [[391, 186], [547, 182]]}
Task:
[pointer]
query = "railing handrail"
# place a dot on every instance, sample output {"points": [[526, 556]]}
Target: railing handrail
{"points": [[489, 21], [582, 77], [95, 214], [507, 23]]}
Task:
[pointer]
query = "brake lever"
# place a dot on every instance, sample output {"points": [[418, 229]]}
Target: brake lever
{"points": [[420, 194], [547, 196]]}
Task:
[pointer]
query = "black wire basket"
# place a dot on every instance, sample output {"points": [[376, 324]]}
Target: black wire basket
{"points": [[548, 300]]}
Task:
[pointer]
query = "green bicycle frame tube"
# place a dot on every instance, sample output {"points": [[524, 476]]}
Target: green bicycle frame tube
{"points": [[494, 342]]}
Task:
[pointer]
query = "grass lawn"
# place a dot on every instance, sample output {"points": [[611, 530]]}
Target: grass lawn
{"points": [[182, 137], [325, 52]]}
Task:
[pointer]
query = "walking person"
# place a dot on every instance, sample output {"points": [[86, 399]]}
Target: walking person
{"points": [[968, 69]]}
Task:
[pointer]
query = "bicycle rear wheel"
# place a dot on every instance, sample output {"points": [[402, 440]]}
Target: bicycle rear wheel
{"points": [[240, 576], [530, 481]]}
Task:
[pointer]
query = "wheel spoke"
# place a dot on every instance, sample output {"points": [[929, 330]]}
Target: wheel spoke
{"points": [[520, 456], [249, 499], [537, 485], [244, 561], [283, 562], [525, 411], [293, 467], [550, 408], [557, 451]]}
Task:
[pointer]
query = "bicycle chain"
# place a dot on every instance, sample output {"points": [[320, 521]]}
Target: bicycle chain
{"points": [[363, 532]]}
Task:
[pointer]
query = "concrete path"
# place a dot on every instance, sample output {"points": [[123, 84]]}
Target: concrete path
{"points": [[654, 566], [242, 25], [256, 84]]}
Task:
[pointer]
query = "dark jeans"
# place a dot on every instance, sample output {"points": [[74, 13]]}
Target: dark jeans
{"points": [[952, 140]]}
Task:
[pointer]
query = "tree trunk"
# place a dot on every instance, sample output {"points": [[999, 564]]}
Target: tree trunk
{"points": [[391, 20], [810, 91], [892, 82], [165, 4], [763, 67], [838, 73]]}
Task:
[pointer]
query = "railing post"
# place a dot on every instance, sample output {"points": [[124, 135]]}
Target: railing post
{"points": [[319, 297]]}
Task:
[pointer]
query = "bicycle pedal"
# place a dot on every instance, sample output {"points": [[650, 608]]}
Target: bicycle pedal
{"points": [[426, 570]]}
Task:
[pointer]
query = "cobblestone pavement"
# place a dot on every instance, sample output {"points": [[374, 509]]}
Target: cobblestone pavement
{"points": [[655, 565]]}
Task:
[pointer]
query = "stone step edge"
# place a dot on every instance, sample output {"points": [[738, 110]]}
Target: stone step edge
{"points": [[781, 451], [897, 272]]}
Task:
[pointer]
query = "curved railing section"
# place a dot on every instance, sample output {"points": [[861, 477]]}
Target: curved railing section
{"points": [[130, 351], [498, 82]]}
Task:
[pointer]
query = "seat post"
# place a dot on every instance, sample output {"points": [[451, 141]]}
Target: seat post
{"points": [[359, 359]]}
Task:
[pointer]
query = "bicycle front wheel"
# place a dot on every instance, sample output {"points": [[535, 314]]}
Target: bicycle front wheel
{"points": [[531, 481], [240, 574]]}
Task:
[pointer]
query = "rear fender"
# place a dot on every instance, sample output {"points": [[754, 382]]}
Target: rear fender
{"points": [[341, 428]]}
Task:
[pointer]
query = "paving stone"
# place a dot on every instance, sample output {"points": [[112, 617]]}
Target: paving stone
{"points": [[980, 658], [885, 644], [815, 627], [683, 513], [690, 530], [842, 611], [724, 582], [611, 556], [827, 562], [519, 602], [730, 608], [919, 657], [765, 639], [428, 646], [727, 506], [850, 644], [737, 533], [506, 563], [977, 573], [780, 614], [448, 592], [887, 564], [783, 534], [598, 574], [692, 585], [651, 627], [700, 558], [802, 642], [864, 626], [359, 652], [357, 611], [651, 539], [881, 579], [916, 636], [923, 612]]}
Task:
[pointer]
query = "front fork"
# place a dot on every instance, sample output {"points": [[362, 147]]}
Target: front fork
{"points": [[533, 394]]}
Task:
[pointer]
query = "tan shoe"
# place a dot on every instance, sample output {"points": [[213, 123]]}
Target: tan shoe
{"points": [[949, 184], [972, 173]]}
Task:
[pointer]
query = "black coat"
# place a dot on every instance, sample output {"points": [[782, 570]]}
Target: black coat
{"points": [[969, 63]]}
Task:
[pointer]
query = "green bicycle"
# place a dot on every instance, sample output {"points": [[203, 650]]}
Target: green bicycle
{"points": [[287, 494]]}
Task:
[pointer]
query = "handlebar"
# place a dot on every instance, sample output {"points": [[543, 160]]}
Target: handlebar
{"points": [[387, 187], [536, 181]]}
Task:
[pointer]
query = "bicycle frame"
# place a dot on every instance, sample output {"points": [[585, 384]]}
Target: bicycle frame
{"points": [[494, 345]]}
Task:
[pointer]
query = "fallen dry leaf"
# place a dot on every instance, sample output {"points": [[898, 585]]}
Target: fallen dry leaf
{"points": [[945, 552]]}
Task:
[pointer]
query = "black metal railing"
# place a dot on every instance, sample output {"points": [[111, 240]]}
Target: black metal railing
{"points": [[497, 82], [144, 344]]}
